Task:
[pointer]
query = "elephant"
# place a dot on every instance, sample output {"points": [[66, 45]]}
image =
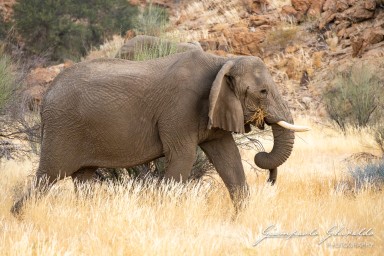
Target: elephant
{"points": [[140, 42], [120, 113]]}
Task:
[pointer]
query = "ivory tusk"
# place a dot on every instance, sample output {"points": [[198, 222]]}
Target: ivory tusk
{"points": [[296, 128]]}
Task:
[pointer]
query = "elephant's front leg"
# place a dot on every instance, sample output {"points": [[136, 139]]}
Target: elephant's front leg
{"points": [[225, 156]]}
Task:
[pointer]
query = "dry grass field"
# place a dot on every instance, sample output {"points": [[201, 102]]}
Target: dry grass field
{"points": [[311, 211]]}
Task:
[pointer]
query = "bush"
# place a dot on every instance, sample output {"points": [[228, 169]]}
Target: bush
{"points": [[279, 38], [371, 174], [68, 28], [151, 21], [355, 96], [379, 137], [7, 80]]}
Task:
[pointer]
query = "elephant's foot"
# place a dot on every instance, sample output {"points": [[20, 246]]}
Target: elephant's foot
{"points": [[38, 187]]}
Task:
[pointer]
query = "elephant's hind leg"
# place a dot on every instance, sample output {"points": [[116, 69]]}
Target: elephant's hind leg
{"points": [[39, 186], [51, 169]]}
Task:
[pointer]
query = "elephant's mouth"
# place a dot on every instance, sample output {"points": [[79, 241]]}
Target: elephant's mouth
{"points": [[257, 118]]}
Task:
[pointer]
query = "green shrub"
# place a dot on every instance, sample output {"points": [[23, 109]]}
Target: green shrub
{"points": [[7, 80], [354, 97], [68, 28], [151, 21]]}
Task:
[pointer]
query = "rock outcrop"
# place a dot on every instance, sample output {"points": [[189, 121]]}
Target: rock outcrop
{"points": [[301, 9], [357, 23]]}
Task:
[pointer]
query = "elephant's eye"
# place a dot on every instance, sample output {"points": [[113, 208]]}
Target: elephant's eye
{"points": [[263, 93]]}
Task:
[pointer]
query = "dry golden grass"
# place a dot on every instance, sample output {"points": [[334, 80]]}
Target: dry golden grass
{"points": [[107, 50], [199, 17], [196, 219]]}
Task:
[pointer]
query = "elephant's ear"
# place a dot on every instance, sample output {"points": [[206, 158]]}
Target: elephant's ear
{"points": [[225, 111]]}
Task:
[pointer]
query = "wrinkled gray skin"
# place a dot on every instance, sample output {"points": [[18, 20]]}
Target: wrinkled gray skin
{"points": [[128, 50], [119, 113]]}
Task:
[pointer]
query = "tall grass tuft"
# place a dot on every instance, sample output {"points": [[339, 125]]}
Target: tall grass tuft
{"points": [[354, 97], [160, 49], [151, 21]]}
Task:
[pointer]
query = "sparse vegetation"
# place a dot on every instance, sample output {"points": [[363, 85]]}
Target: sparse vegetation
{"points": [[7, 80], [161, 49], [151, 21], [280, 37], [354, 97], [370, 175]]}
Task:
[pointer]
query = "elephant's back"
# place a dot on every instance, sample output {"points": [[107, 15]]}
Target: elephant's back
{"points": [[90, 76], [98, 89]]}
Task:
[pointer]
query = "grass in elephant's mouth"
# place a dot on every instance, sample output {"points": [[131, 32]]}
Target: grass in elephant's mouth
{"points": [[258, 117], [311, 194]]}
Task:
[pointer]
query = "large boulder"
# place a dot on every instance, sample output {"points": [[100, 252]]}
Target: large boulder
{"points": [[301, 6], [347, 10], [242, 38]]}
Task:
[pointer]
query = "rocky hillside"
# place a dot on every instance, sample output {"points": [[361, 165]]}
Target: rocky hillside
{"points": [[305, 43]]}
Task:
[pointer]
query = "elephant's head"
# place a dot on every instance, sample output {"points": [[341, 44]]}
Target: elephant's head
{"points": [[244, 93]]}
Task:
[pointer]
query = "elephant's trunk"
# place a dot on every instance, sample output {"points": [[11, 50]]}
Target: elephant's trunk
{"points": [[282, 148]]}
